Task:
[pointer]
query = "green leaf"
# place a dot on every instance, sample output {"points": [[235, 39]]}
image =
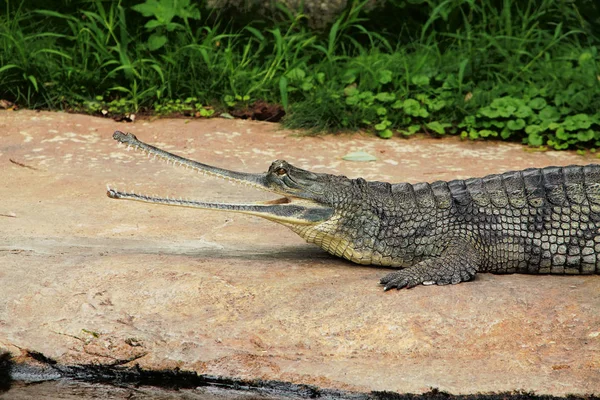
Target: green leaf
{"points": [[192, 13], [565, 110], [152, 24], [163, 10], [321, 77], [533, 129], [523, 111], [359, 156], [562, 134], [507, 111], [296, 74], [585, 57], [535, 140], [384, 76], [436, 127], [538, 103], [468, 121], [383, 125], [33, 81], [412, 129], [488, 112], [381, 111], [516, 125], [349, 77], [306, 86], [7, 67], [156, 41], [229, 100], [576, 122], [411, 107], [352, 100], [206, 113], [171, 26], [283, 91], [386, 134], [333, 34], [585, 136], [350, 91], [367, 97], [147, 9], [420, 80], [436, 105], [487, 133], [552, 125], [385, 97], [549, 113], [398, 104]]}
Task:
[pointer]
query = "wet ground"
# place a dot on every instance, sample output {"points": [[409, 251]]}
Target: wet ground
{"points": [[75, 390], [87, 280]]}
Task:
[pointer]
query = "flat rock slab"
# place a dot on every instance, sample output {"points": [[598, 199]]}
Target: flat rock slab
{"points": [[87, 279]]}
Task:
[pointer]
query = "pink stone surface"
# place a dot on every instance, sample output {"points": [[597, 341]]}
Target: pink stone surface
{"points": [[88, 279]]}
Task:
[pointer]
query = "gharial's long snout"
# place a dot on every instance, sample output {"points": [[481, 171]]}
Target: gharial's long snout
{"points": [[287, 210]]}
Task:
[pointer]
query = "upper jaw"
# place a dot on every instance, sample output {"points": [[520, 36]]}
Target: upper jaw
{"points": [[290, 209]]}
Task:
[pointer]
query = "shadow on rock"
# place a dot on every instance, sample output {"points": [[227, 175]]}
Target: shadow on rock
{"points": [[5, 369]]}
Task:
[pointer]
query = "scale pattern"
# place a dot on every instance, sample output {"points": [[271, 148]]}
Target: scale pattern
{"points": [[531, 221]]}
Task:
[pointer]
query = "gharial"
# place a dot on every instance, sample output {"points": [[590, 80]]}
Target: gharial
{"points": [[532, 221]]}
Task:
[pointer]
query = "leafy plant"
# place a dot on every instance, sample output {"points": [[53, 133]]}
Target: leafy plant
{"points": [[514, 70], [162, 13]]}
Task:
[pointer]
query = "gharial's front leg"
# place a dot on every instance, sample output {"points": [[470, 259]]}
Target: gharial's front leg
{"points": [[458, 263]]}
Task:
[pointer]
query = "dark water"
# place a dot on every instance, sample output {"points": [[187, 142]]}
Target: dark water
{"points": [[71, 390], [48, 380], [45, 379]]}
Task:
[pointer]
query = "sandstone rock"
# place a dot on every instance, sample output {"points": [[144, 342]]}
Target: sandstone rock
{"points": [[86, 279]]}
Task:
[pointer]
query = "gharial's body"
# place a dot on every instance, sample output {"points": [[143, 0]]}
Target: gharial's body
{"points": [[532, 221]]}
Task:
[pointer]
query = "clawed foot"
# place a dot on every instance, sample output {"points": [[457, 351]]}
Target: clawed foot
{"points": [[414, 276], [457, 264], [402, 279]]}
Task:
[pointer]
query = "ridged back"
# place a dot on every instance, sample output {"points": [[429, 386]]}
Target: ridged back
{"points": [[535, 187]]}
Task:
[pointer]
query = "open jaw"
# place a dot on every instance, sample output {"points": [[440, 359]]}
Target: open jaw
{"points": [[288, 210]]}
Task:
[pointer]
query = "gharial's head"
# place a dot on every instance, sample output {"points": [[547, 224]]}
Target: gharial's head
{"points": [[309, 199]]}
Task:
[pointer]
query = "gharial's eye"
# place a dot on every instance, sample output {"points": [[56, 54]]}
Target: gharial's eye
{"points": [[281, 171]]}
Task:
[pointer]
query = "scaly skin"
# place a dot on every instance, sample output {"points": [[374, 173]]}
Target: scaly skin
{"points": [[533, 221]]}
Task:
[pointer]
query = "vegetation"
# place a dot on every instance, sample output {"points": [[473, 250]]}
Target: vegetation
{"points": [[524, 70]]}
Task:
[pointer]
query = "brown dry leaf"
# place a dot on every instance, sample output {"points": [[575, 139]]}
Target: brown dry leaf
{"points": [[5, 104]]}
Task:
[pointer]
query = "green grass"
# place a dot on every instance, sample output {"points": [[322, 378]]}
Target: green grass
{"points": [[509, 69]]}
